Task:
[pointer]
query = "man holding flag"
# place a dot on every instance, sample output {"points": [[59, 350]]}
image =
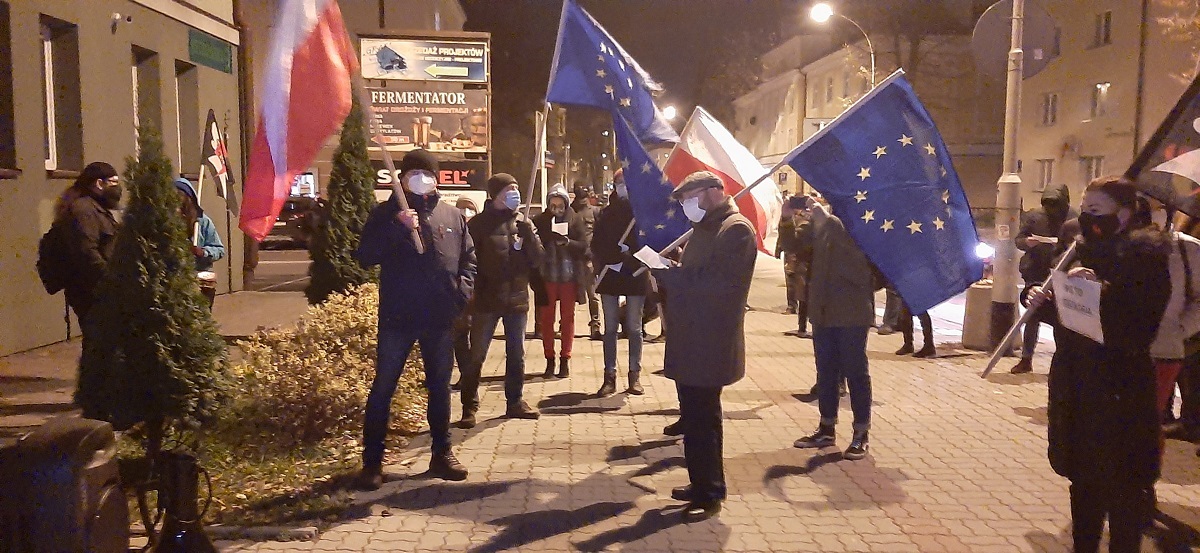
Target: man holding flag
{"points": [[705, 336]]}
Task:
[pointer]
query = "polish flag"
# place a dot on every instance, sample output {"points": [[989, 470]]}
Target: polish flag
{"points": [[706, 145], [305, 97]]}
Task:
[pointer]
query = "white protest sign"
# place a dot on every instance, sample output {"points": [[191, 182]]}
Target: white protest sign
{"points": [[559, 228], [650, 257], [1078, 302]]}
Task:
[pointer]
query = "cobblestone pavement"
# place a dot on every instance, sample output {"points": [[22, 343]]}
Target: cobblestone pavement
{"points": [[957, 464]]}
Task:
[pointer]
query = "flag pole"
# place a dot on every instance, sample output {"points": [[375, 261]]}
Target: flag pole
{"points": [[1012, 332], [539, 160], [628, 230], [199, 194]]}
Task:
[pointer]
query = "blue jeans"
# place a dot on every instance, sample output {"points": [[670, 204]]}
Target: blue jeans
{"points": [[633, 330], [841, 352], [437, 352], [483, 326]]}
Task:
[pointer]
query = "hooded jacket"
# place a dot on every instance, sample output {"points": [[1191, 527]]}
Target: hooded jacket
{"points": [[841, 284], [209, 240], [565, 262], [419, 291], [1048, 221]]}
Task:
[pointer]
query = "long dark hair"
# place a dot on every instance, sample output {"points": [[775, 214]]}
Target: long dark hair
{"points": [[96, 170]]}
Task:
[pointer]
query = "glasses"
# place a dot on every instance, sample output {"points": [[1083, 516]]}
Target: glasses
{"points": [[113, 180]]}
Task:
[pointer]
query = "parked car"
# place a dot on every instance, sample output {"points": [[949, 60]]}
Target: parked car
{"points": [[295, 225]]}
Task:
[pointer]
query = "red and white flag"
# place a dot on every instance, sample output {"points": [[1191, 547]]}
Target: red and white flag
{"points": [[706, 145], [305, 97]]}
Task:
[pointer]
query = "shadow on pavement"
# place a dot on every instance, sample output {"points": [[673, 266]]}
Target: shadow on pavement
{"points": [[625, 452], [525, 528], [1179, 464], [652, 522], [572, 403], [1007, 379], [426, 498], [1176, 528], [1034, 414], [1042, 541], [854, 485]]}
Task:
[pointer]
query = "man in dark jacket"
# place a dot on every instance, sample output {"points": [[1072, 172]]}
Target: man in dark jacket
{"points": [[706, 348], [613, 244], [420, 296], [1042, 239], [508, 250], [564, 273], [85, 214], [585, 206], [841, 305]]}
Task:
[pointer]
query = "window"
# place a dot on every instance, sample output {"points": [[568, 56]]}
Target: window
{"points": [[61, 103], [1049, 109], [1091, 167], [147, 106], [845, 83], [1056, 50], [1045, 173], [8, 144], [1099, 103], [1103, 33], [187, 112], [829, 90]]}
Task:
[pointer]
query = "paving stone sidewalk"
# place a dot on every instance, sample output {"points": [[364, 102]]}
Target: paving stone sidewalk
{"points": [[957, 464]]}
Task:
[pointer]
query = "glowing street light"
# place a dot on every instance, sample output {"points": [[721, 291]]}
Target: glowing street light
{"points": [[669, 113], [822, 12]]}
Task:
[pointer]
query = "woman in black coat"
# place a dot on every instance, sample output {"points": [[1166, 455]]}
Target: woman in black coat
{"points": [[1103, 425]]}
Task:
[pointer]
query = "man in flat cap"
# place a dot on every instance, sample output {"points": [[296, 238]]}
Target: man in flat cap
{"points": [[705, 348]]}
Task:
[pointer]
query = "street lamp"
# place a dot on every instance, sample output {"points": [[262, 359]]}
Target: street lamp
{"points": [[821, 13], [669, 113]]}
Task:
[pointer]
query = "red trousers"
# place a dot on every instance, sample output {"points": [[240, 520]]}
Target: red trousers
{"points": [[1167, 372], [562, 293]]}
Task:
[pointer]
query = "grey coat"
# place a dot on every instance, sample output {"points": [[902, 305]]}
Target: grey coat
{"points": [[841, 288], [706, 301]]}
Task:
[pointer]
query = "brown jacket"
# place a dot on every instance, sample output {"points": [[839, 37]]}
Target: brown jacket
{"points": [[706, 307], [91, 236]]}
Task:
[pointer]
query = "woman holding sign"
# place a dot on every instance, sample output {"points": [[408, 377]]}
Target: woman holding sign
{"points": [[1103, 422]]}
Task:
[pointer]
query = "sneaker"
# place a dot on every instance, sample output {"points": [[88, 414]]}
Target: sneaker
{"points": [[858, 447], [1025, 365], [823, 437], [885, 330], [446, 466], [905, 349], [370, 479], [697, 511], [655, 339], [926, 352], [674, 429], [609, 387], [635, 385], [804, 334], [521, 410], [467, 420]]}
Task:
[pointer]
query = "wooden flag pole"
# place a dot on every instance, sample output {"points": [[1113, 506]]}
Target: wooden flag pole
{"points": [[199, 194], [628, 230], [376, 134], [1012, 332], [539, 160]]}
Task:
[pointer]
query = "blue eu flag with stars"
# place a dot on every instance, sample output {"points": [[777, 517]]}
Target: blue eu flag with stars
{"points": [[887, 175], [591, 69], [659, 218]]}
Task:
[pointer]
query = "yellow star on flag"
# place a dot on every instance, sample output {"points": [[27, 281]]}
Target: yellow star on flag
{"points": [[860, 197], [608, 89], [601, 73], [939, 223], [624, 163], [626, 102], [946, 196], [914, 227], [868, 216], [660, 227], [887, 225], [671, 213], [905, 140], [646, 167], [864, 173], [943, 171], [600, 58], [665, 180], [929, 148], [880, 151]]}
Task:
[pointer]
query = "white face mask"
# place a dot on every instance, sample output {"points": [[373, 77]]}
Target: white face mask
{"points": [[420, 183], [691, 208], [1159, 217], [622, 191], [512, 199]]}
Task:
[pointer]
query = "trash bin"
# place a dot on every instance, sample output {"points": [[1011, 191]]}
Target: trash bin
{"points": [[62, 491]]}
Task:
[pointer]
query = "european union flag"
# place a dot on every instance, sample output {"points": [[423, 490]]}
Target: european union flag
{"points": [[591, 69], [886, 173], [659, 218]]}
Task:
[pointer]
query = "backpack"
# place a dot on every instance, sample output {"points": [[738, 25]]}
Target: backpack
{"points": [[53, 255]]}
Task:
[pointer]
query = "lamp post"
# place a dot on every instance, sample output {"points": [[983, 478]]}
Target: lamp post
{"points": [[821, 13], [669, 113]]}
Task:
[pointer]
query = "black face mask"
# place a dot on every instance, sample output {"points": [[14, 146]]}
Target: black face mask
{"points": [[1098, 227]]}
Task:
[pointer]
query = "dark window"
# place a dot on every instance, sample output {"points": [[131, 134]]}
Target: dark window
{"points": [[147, 102], [8, 143], [187, 102], [61, 101], [1103, 29]]}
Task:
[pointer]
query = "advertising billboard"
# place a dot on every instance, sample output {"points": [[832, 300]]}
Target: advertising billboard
{"points": [[401, 59], [412, 117]]}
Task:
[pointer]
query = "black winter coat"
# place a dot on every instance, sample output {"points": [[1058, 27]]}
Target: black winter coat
{"points": [[606, 250], [1103, 420], [419, 291], [90, 238], [1047, 220], [502, 285]]}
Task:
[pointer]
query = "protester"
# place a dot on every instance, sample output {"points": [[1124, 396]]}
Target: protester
{"points": [[613, 243], [203, 239], [891, 312], [509, 251], [563, 273], [705, 348], [1043, 240], [906, 329], [1103, 423], [420, 297], [841, 296], [84, 212], [585, 206], [795, 239], [785, 249]]}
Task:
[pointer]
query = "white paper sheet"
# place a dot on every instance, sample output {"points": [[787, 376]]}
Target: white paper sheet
{"points": [[559, 228], [651, 258], [1078, 302]]}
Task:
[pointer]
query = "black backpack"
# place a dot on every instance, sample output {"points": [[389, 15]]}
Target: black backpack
{"points": [[53, 255]]}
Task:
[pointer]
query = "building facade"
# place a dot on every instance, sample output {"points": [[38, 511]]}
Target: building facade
{"points": [[79, 76], [1088, 113]]}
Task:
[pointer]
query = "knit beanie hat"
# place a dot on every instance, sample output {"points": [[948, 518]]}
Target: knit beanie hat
{"points": [[499, 182], [419, 159]]}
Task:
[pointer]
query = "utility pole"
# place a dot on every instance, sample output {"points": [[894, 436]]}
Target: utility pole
{"points": [[1008, 193]]}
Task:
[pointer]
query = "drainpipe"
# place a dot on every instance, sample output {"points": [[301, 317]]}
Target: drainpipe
{"points": [[1139, 103], [246, 122]]}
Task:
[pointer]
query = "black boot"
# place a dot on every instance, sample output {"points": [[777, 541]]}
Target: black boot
{"points": [[609, 387], [468, 418], [564, 367], [549, 369], [906, 349]]}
